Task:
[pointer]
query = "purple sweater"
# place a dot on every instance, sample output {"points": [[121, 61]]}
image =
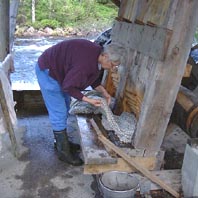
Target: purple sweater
{"points": [[74, 64]]}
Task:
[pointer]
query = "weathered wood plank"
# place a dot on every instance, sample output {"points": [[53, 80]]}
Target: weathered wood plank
{"points": [[170, 177], [150, 41], [93, 151], [4, 27], [121, 165], [143, 8], [7, 106], [157, 12], [128, 10], [171, 15], [164, 84]]}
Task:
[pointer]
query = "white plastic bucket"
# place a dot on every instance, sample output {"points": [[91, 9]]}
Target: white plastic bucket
{"points": [[115, 184]]}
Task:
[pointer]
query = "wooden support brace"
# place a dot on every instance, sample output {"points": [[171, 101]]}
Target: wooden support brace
{"points": [[8, 121], [134, 164]]}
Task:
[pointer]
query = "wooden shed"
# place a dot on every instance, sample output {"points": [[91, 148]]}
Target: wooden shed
{"points": [[157, 36]]}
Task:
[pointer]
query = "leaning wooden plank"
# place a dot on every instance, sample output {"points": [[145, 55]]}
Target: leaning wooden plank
{"points": [[93, 151], [170, 177], [6, 113], [132, 162]]}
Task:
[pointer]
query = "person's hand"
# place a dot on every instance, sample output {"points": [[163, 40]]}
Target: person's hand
{"points": [[104, 92], [95, 102]]}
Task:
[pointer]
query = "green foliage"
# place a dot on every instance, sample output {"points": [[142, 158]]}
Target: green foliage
{"points": [[46, 23], [65, 13]]}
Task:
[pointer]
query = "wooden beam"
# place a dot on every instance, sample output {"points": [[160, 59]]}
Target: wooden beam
{"points": [[157, 12], [6, 111], [128, 9], [4, 27], [150, 41], [121, 165], [164, 83], [170, 177]]}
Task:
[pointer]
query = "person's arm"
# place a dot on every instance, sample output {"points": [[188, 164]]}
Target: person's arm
{"points": [[95, 102], [71, 86], [104, 92]]}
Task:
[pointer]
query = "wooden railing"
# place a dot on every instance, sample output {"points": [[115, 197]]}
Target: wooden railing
{"points": [[6, 100]]}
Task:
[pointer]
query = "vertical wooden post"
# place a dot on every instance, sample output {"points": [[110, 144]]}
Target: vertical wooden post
{"points": [[4, 51], [13, 14], [4, 28], [165, 81]]}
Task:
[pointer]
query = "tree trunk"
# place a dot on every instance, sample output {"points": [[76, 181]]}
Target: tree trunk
{"points": [[33, 11]]}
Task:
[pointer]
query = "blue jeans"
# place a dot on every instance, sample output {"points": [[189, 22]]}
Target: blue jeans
{"points": [[56, 101]]}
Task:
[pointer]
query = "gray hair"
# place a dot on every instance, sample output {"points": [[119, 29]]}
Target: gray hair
{"points": [[115, 52]]}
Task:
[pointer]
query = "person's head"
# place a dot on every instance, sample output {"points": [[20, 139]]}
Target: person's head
{"points": [[111, 56]]}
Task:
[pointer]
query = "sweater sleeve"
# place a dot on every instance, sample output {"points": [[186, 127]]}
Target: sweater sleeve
{"points": [[73, 83]]}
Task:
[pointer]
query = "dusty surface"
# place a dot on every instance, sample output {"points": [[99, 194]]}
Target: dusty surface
{"points": [[38, 172]]}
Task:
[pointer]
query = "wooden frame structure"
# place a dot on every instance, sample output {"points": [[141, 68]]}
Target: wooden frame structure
{"points": [[158, 37], [7, 112]]}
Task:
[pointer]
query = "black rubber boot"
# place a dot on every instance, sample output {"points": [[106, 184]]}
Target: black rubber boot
{"points": [[63, 149], [75, 148]]}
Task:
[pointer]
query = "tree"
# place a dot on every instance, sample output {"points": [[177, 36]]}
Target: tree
{"points": [[33, 11], [13, 14]]}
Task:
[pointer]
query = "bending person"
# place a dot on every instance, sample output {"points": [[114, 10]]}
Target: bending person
{"points": [[65, 70]]}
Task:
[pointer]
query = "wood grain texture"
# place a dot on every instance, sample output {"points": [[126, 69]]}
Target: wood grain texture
{"points": [[164, 84]]}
